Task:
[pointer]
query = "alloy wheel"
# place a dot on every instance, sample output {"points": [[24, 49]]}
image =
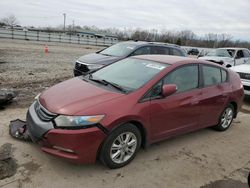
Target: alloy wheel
{"points": [[123, 147], [227, 117]]}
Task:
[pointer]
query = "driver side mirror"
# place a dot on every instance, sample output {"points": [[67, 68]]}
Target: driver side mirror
{"points": [[168, 89]]}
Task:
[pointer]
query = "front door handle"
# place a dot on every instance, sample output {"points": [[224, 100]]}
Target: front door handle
{"points": [[194, 102]]}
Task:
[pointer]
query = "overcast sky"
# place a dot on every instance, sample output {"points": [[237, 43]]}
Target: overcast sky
{"points": [[200, 16]]}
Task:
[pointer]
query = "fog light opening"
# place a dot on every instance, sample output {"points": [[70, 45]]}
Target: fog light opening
{"points": [[63, 149]]}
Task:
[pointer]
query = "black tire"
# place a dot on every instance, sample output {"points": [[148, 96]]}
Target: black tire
{"points": [[221, 126], [105, 152]]}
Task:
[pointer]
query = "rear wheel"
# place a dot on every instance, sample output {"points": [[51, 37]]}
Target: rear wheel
{"points": [[121, 146], [226, 118]]}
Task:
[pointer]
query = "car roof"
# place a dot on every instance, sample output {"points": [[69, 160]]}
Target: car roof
{"points": [[143, 43], [168, 59], [234, 48]]}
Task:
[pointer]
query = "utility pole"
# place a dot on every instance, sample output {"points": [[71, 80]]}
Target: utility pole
{"points": [[64, 21], [73, 24]]}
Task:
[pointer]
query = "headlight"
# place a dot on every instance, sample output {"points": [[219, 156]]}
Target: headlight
{"points": [[77, 121], [95, 66], [37, 97]]}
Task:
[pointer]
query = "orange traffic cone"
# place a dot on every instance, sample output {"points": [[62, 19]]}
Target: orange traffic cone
{"points": [[46, 49]]}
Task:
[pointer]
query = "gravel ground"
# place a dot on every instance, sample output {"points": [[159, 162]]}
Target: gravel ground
{"points": [[205, 158], [25, 67]]}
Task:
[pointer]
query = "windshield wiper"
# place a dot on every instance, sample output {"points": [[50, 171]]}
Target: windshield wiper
{"points": [[105, 82], [97, 80], [106, 54], [117, 86]]}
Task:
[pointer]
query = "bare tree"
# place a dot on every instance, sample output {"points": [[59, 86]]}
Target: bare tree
{"points": [[10, 20]]}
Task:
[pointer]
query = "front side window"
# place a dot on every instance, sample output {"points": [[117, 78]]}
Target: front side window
{"points": [[142, 51], [159, 50], [186, 78], [211, 75], [239, 54], [130, 73]]}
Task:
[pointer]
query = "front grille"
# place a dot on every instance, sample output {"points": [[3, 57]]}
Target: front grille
{"points": [[245, 76], [246, 88], [81, 67], [42, 113]]}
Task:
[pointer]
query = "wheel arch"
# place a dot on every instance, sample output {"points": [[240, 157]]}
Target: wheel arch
{"points": [[235, 107], [138, 124], [142, 130]]}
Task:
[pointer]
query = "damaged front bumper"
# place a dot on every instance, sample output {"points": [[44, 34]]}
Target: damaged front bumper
{"points": [[80, 146], [37, 127]]}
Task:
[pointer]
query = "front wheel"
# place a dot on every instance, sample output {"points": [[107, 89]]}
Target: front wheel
{"points": [[226, 118], [121, 146]]}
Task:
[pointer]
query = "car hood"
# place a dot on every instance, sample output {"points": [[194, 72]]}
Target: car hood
{"points": [[97, 58], [241, 68], [216, 58], [74, 95]]}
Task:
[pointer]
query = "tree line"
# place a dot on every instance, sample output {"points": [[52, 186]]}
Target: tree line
{"points": [[183, 38]]}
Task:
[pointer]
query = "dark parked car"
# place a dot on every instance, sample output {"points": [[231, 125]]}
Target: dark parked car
{"points": [[93, 61], [193, 51], [134, 102]]}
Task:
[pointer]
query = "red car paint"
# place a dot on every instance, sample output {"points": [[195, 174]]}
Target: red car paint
{"points": [[157, 119]]}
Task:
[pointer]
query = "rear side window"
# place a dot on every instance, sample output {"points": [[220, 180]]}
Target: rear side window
{"points": [[159, 50], [246, 53], [223, 75], [186, 78], [211, 75]]}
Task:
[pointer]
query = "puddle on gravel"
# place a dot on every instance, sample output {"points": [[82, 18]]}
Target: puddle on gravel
{"points": [[229, 183], [31, 166], [8, 165], [7, 168]]}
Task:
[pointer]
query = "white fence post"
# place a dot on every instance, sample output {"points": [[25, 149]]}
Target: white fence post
{"points": [[46, 36]]}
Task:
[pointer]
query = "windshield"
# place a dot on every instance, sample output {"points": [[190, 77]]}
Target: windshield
{"points": [[248, 62], [121, 49], [130, 74], [222, 53]]}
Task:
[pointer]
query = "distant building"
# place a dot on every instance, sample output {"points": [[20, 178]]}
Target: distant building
{"points": [[93, 35]]}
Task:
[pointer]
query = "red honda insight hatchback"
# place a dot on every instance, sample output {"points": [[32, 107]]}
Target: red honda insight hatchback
{"points": [[111, 113]]}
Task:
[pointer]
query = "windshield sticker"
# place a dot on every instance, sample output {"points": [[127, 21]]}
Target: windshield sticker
{"points": [[154, 66]]}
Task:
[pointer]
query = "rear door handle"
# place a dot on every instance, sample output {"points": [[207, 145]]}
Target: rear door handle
{"points": [[224, 94]]}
